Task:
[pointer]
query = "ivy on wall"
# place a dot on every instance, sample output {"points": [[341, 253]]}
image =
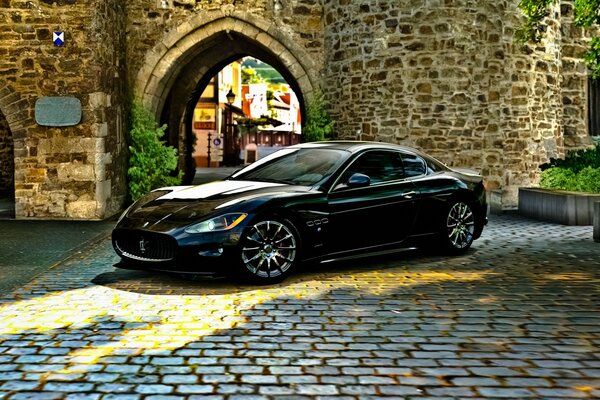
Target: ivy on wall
{"points": [[586, 16]]}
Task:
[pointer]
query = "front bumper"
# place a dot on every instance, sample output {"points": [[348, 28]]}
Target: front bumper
{"points": [[148, 250]]}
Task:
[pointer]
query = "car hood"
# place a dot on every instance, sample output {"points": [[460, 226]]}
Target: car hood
{"points": [[186, 204], [218, 189]]}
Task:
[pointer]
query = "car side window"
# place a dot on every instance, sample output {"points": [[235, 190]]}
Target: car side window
{"points": [[413, 165], [379, 166]]}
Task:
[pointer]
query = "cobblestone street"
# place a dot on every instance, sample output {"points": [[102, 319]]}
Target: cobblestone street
{"points": [[517, 317]]}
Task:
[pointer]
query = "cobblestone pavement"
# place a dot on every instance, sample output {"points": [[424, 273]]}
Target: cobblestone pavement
{"points": [[516, 317]]}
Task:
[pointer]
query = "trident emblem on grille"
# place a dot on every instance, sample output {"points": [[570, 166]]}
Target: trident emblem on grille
{"points": [[143, 244]]}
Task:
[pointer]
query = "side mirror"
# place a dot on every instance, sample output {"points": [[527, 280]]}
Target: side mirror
{"points": [[358, 180]]}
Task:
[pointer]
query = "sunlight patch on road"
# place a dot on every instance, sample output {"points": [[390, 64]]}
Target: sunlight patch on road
{"points": [[570, 276], [101, 321]]}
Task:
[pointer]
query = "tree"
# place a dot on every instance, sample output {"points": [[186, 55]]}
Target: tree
{"points": [[151, 162], [318, 124], [587, 16], [249, 75]]}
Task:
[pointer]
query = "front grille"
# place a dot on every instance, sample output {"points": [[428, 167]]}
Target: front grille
{"points": [[145, 246]]}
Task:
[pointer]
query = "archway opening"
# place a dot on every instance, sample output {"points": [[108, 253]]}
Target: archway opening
{"points": [[245, 112], [7, 171], [194, 77]]}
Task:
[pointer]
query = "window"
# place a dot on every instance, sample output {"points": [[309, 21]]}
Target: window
{"points": [[413, 165], [379, 166]]}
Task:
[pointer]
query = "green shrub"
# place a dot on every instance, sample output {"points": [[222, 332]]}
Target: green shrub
{"points": [[576, 160], [152, 164], [588, 180], [558, 178], [585, 180], [319, 125]]}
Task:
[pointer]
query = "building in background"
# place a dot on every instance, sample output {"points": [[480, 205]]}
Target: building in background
{"points": [[273, 121], [217, 142]]}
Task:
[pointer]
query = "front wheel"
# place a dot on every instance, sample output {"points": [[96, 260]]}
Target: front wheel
{"points": [[269, 250], [459, 226]]}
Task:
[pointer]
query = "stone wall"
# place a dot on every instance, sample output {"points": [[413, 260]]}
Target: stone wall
{"points": [[448, 78], [575, 43], [72, 172]]}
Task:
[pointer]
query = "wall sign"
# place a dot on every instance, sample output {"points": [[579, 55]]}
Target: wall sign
{"points": [[58, 38], [57, 111]]}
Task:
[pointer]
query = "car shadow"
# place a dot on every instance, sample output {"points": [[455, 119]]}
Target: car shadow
{"points": [[163, 283]]}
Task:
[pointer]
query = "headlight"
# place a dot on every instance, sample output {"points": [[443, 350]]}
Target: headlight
{"points": [[220, 223]]}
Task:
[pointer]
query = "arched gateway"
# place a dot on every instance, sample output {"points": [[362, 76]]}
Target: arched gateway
{"points": [[178, 68]]}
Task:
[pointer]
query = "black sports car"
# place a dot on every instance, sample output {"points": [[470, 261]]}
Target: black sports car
{"points": [[308, 202]]}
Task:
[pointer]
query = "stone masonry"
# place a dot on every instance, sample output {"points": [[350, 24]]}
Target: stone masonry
{"points": [[445, 76], [73, 172]]}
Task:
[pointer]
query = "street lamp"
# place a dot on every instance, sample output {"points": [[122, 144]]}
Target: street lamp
{"points": [[230, 97], [229, 139]]}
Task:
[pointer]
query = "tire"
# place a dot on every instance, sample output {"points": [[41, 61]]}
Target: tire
{"points": [[458, 228], [269, 250]]}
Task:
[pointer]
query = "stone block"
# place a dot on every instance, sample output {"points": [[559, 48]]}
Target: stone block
{"points": [[496, 202], [82, 210], [99, 130], [35, 174], [99, 100], [71, 172]]}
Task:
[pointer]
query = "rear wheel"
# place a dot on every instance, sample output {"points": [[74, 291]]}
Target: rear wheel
{"points": [[270, 249], [459, 226]]}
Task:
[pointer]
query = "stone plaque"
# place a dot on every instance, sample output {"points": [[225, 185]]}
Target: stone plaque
{"points": [[58, 111]]}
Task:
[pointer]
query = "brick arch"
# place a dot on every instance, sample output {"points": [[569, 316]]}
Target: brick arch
{"points": [[164, 64]]}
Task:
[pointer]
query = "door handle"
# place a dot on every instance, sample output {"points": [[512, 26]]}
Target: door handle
{"points": [[409, 195]]}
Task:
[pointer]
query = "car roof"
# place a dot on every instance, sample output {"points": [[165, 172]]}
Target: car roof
{"points": [[355, 146], [358, 145], [350, 145]]}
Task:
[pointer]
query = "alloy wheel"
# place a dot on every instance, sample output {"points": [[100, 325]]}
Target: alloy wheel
{"points": [[270, 249], [460, 225]]}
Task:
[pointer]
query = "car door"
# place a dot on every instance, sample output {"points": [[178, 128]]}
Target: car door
{"points": [[382, 212]]}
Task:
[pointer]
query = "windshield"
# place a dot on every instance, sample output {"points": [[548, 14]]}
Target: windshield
{"points": [[297, 166]]}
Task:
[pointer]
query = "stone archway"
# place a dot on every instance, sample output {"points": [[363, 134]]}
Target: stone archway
{"points": [[164, 63], [176, 70]]}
